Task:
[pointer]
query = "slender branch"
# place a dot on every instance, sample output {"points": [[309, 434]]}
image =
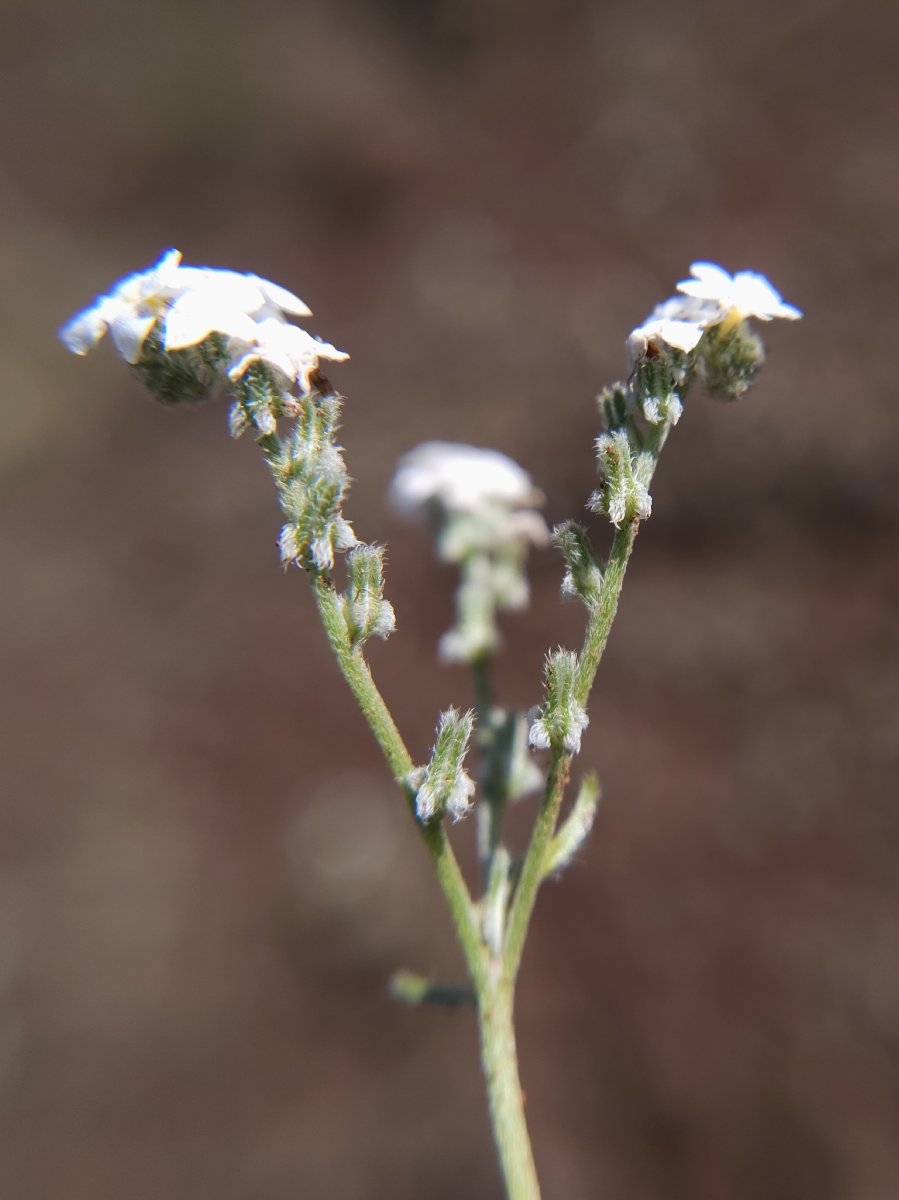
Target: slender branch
{"points": [[412, 989], [533, 868], [355, 671], [357, 674], [600, 623]]}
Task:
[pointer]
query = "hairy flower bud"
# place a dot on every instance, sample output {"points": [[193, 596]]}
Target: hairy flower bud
{"points": [[583, 577], [312, 484], [730, 359], [560, 720], [443, 785], [368, 614], [623, 495]]}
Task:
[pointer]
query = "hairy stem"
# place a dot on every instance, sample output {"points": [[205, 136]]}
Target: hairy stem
{"points": [[355, 671], [499, 1059]]}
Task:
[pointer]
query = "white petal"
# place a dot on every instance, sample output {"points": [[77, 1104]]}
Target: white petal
{"points": [[196, 314], [163, 277], [326, 350], [129, 332], [279, 360], [85, 329], [683, 335], [711, 274], [755, 296], [240, 291], [710, 282], [287, 347], [686, 308], [281, 298]]}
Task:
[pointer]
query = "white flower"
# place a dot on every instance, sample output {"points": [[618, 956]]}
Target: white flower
{"points": [[745, 294], [287, 348], [683, 335], [679, 322], [191, 302], [460, 479]]}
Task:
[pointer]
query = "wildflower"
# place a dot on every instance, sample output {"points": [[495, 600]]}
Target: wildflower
{"points": [[682, 335], [746, 294], [479, 504], [460, 479], [190, 302], [479, 501], [679, 322]]}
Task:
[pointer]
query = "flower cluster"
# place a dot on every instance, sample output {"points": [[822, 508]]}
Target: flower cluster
{"points": [[481, 506], [703, 332], [710, 297], [229, 321]]}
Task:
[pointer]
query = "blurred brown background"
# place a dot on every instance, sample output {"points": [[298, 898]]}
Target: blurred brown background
{"points": [[206, 879]]}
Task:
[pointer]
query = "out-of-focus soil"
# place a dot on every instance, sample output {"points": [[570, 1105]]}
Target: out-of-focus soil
{"points": [[206, 880]]}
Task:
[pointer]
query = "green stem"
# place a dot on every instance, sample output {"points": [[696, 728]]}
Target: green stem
{"points": [[491, 802], [499, 1059], [355, 671], [597, 635], [532, 868], [602, 617]]}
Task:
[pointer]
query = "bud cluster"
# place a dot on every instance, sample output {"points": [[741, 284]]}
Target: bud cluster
{"points": [[312, 482], [190, 330]]}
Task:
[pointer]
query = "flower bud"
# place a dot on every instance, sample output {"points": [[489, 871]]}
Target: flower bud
{"points": [[179, 376], [623, 495], [443, 785], [616, 407], [560, 720], [368, 614], [583, 577], [729, 360], [312, 484]]}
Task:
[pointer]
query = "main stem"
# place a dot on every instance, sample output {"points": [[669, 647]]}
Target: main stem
{"points": [[499, 1059]]}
